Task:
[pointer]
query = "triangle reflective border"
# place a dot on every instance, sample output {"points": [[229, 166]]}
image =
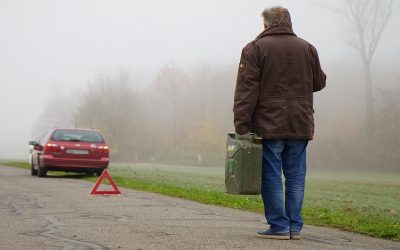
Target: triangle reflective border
{"points": [[105, 174]]}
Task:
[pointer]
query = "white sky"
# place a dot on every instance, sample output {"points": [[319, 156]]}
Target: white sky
{"points": [[53, 47]]}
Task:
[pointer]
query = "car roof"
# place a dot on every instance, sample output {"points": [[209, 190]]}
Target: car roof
{"points": [[76, 129]]}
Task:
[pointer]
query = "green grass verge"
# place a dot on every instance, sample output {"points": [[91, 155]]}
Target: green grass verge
{"points": [[19, 164], [369, 207]]}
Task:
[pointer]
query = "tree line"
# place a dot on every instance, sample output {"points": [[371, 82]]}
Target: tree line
{"points": [[180, 118], [183, 116]]}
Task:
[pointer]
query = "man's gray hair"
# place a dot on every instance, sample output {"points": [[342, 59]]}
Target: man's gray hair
{"points": [[277, 16]]}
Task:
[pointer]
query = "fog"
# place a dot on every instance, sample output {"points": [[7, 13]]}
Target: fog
{"points": [[51, 52]]}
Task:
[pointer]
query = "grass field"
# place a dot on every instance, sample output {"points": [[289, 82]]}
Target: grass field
{"points": [[367, 203]]}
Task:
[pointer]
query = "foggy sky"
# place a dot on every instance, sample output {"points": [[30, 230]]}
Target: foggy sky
{"points": [[52, 48]]}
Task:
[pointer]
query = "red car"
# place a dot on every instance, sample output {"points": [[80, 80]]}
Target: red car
{"points": [[69, 150]]}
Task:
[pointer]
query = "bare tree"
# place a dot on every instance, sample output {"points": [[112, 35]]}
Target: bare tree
{"points": [[365, 21], [189, 114], [368, 19], [171, 81], [110, 105]]}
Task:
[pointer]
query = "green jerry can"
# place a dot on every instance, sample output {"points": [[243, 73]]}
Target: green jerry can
{"points": [[243, 165]]}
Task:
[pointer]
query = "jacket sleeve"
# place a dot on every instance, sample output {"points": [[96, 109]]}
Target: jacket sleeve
{"points": [[247, 89], [319, 77]]}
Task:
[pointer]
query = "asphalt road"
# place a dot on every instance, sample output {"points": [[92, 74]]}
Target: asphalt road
{"points": [[58, 213]]}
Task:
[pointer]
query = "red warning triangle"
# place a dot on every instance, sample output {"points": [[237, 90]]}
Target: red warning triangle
{"points": [[105, 174]]}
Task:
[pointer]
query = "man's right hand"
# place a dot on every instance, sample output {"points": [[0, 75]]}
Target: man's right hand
{"points": [[246, 136]]}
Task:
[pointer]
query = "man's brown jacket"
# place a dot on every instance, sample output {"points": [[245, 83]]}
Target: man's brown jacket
{"points": [[278, 73]]}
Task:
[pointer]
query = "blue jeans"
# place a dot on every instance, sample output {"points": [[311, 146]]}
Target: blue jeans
{"points": [[289, 156]]}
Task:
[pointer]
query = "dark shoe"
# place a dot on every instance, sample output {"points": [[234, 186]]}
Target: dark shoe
{"points": [[267, 234], [295, 235]]}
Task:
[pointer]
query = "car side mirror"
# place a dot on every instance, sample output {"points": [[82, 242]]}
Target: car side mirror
{"points": [[33, 143]]}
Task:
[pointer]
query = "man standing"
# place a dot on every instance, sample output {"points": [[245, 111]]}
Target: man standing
{"points": [[278, 73]]}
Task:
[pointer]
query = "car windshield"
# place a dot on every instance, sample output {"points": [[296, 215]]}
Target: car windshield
{"points": [[77, 136]]}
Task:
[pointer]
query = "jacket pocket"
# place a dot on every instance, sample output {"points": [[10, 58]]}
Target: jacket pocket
{"points": [[271, 116], [301, 120]]}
